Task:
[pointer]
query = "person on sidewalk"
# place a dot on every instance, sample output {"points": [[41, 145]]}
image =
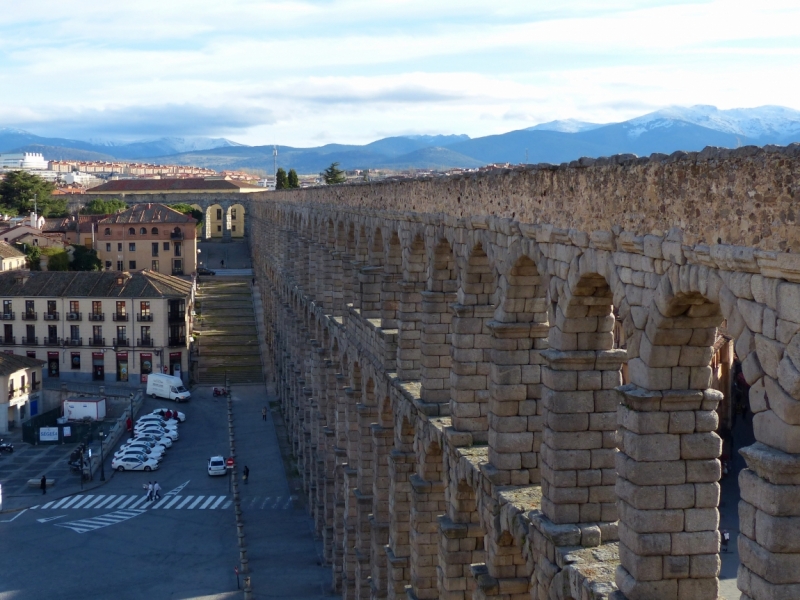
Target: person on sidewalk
{"points": [[156, 491], [264, 413], [149, 491], [726, 537], [43, 484], [246, 474]]}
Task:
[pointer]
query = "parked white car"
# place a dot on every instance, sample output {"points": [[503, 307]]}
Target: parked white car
{"points": [[216, 466], [151, 450], [156, 419], [160, 440], [137, 453], [157, 431], [132, 463], [177, 415]]}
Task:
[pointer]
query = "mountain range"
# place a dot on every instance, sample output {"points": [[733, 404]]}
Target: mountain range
{"points": [[666, 130]]}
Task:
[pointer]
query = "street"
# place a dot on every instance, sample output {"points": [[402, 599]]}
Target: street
{"points": [[110, 542]]}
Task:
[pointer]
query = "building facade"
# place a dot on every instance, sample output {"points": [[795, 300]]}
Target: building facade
{"points": [[22, 377], [148, 236], [104, 326], [11, 259]]}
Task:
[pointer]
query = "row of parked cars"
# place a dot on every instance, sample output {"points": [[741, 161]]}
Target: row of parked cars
{"points": [[153, 433]]}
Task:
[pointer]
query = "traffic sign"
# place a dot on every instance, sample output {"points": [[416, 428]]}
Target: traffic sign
{"points": [[229, 462]]}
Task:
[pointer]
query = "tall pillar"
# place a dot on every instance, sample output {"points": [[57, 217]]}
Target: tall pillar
{"points": [[435, 344], [409, 354]]}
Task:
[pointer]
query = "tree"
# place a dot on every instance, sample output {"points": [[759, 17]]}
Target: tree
{"points": [[17, 193], [333, 174], [294, 180], [188, 209], [84, 259], [281, 182], [57, 258], [98, 206]]}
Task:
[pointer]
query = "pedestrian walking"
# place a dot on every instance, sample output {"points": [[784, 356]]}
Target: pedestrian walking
{"points": [[246, 474], [149, 491], [726, 537], [222, 264], [264, 413], [156, 491], [254, 282], [43, 484]]}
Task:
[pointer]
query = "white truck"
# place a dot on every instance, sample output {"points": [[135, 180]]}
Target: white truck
{"points": [[78, 409], [167, 386]]}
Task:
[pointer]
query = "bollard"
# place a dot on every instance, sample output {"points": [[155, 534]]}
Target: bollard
{"points": [[248, 590]]}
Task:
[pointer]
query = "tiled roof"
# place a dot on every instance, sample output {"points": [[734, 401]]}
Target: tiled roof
{"points": [[64, 224], [11, 363], [8, 251], [148, 213], [92, 284], [171, 185]]}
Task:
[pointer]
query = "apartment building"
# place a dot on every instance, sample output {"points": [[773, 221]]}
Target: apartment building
{"points": [[22, 377], [107, 326], [148, 236]]}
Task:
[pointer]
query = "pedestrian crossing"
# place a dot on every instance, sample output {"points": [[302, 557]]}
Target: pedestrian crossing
{"points": [[121, 503], [85, 525]]}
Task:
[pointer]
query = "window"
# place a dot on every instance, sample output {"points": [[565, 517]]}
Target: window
{"points": [[29, 307], [154, 248], [30, 333], [177, 248], [143, 231], [74, 332], [108, 265], [97, 333], [145, 333], [154, 231], [145, 308], [8, 333], [219, 214], [177, 267], [122, 332], [233, 227], [6, 307], [219, 227], [166, 245], [132, 265], [97, 307], [131, 247], [121, 307], [119, 265], [119, 246], [233, 213], [131, 231], [108, 247], [52, 333], [74, 306], [51, 307], [75, 361], [155, 266], [107, 231]]}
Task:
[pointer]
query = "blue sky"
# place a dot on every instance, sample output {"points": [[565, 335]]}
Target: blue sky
{"points": [[351, 71]]}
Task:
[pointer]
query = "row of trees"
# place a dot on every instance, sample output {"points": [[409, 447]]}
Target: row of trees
{"points": [[19, 189], [286, 182]]}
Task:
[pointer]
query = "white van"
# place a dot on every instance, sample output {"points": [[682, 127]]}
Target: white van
{"points": [[167, 386]]}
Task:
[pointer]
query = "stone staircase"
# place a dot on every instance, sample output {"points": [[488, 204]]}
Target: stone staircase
{"points": [[227, 334]]}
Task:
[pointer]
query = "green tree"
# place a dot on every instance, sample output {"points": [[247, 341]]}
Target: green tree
{"points": [[84, 259], [33, 254], [17, 192], [294, 180], [57, 258], [188, 209], [98, 206], [333, 174], [281, 182]]}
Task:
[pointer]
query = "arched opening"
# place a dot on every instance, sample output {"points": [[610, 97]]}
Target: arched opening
{"points": [[427, 505], [235, 216], [215, 221]]}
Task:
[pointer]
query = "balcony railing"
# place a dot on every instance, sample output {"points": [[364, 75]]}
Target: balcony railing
{"points": [[97, 316], [50, 316], [8, 316], [174, 317], [52, 341], [30, 341], [120, 316], [146, 342], [97, 341], [144, 317], [121, 342], [74, 316], [176, 235], [35, 385], [8, 340], [74, 341], [177, 341], [30, 316]]}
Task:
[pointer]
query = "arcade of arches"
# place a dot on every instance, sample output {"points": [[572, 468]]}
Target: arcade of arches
{"points": [[533, 404]]}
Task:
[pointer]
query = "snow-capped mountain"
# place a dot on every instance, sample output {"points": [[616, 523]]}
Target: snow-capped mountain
{"points": [[565, 126]]}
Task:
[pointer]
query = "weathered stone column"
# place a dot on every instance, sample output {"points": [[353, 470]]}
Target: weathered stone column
{"points": [[409, 354], [382, 444], [401, 466], [435, 342]]}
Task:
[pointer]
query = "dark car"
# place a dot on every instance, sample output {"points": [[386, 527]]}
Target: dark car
{"points": [[204, 271]]}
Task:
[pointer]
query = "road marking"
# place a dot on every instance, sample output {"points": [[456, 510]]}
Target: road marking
{"points": [[86, 525], [227, 504], [253, 501], [15, 516], [184, 503], [196, 502], [173, 502], [138, 503], [60, 502], [162, 501], [71, 501], [264, 502], [277, 502], [82, 501], [93, 502], [177, 489], [45, 506], [128, 501], [289, 502], [218, 502], [117, 501], [105, 500], [45, 520], [207, 502]]}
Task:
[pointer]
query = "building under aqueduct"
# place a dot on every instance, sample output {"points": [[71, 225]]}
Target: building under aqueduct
{"points": [[507, 385]]}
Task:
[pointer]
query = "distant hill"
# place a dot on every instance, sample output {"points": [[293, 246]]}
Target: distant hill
{"points": [[666, 130]]}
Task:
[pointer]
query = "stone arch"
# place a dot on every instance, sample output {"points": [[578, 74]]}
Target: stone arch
{"points": [[462, 522], [442, 269], [478, 283], [215, 221], [236, 220]]}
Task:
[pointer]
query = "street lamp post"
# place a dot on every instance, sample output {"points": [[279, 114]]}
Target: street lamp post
{"points": [[130, 397], [101, 434]]}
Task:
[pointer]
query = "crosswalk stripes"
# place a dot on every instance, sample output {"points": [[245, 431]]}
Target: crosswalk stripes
{"points": [[139, 502], [84, 525]]}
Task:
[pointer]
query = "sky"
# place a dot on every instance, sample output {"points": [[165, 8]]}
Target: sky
{"points": [[306, 73]]}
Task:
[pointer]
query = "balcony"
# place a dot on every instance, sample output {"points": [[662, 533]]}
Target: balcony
{"points": [[97, 316], [176, 317], [120, 316], [30, 316], [97, 341], [145, 342], [177, 341], [119, 342], [8, 316], [50, 316], [144, 317], [30, 341], [51, 341], [35, 385], [177, 271], [73, 341], [8, 340], [74, 316], [176, 235]]}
